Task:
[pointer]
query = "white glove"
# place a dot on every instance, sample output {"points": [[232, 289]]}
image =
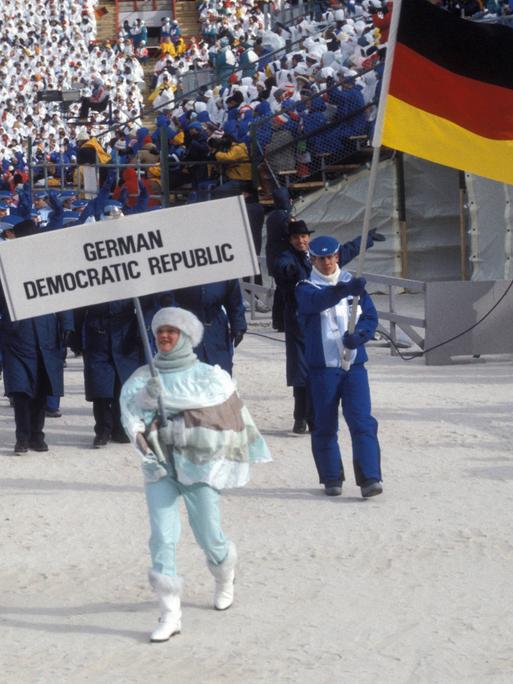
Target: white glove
{"points": [[153, 470], [154, 387]]}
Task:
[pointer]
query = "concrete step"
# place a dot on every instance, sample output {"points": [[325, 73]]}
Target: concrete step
{"points": [[106, 24]]}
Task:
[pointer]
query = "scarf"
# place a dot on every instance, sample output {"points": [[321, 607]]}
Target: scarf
{"points": [[331, 279], [179, 358]]}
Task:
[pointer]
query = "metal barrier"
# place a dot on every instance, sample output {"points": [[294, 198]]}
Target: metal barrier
{"points": [[174, 183], [291, 14], [395, 319], [392, 288]]}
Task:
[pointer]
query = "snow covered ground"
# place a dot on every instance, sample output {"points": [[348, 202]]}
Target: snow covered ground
{"points": [[411, 586]]}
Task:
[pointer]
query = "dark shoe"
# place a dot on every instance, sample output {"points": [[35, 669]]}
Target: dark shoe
{"points": [[53, 414], [20, 448], [333, 488], [371, 488], [38, 445], [120, 438], [299, 427], [100, 441]]}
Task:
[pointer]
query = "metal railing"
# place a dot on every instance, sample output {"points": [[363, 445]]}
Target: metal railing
{"points": [[393, 286]]}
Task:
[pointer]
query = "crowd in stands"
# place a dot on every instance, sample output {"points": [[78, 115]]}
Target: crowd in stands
{"points": [[309, 87]]}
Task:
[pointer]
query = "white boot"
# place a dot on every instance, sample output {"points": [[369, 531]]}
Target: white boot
{"points": [[168, 590], [224, 575]]}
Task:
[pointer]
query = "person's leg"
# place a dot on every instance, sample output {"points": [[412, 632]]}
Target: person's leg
{"points": [[324, 388], [300, 409], [21, 404], [356, 407], [118, 432], [162, 498], [102, 412], [164, 516], [53, 407], [37, 421], [84, 108], [202, 503]]}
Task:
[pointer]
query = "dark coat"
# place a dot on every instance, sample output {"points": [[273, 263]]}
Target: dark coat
{"points": [[219, 307], [291, 267], [32, 351], [277, 228], [111, 344]]}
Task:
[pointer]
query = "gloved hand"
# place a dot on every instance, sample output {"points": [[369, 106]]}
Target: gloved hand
{"points": [[154, 387], [374, 236], [356, 286], [237, 339], [353, 340], [153, 469]]}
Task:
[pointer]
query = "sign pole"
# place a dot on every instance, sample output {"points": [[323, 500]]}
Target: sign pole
{"points": [[148, 354]]}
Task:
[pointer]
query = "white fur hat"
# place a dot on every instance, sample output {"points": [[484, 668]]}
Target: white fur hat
{"points": [[179, 318]]}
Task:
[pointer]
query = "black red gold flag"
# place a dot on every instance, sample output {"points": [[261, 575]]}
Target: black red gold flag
{"points": [[450, 94]]}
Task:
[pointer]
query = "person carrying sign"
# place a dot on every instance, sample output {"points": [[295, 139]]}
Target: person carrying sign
{"points": [[206, 444], [33, 360]]}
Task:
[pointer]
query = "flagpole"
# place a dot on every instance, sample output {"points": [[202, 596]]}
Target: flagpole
{"points": [[387, 73], [148, 354], [376, 144]]}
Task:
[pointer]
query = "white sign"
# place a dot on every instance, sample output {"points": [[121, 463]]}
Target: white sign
{"points": [[127, 257]]}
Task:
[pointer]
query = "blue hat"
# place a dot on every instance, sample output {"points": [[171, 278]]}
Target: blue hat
{"points": [[70, 217], [195, 124], [80, 203], [324, 245], [66, 194], [4, 206]]}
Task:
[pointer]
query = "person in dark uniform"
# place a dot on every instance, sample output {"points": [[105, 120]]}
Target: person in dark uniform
{"points": [[277, 241], [32, 351], [292, 266], [108, 336], [219, 307]]}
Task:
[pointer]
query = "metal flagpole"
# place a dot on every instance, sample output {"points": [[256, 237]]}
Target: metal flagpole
{"points": [[148, 354], [376, 144]]}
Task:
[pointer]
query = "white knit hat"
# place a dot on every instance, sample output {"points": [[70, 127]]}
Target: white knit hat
{"points": [[179, 318]]}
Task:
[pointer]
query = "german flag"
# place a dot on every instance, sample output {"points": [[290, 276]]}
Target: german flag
{"points": [[450, 98]]}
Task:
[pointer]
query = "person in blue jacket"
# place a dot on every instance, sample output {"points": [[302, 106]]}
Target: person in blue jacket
{"points": [[324, 305], [220, 308], [292, 266], [32, 351]]}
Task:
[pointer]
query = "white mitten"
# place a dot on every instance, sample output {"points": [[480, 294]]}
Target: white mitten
{"points": [[153, 470], [154, 387]]}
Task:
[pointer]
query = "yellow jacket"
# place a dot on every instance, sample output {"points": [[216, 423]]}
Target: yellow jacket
{"points": [[238, 152]]}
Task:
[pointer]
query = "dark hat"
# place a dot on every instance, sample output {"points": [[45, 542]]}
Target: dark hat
{"points": [[324, 245], [299, 228], [23, 228]]}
